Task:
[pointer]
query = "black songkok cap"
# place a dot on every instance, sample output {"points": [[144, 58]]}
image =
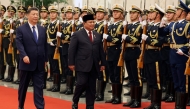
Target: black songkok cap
{"points": [[88, 17]]}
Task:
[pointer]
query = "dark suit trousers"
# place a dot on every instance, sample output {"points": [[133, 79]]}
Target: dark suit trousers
{"points": [[132, 71], [179, 78], [38, 79], [86, 81]]}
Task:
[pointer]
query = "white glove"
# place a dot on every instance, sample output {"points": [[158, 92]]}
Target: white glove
{"points": [[180, 52], [72, 33], [59, 34], [11, 21], [124, 36], [21, 20], [80, 19], [11, 31], [109, 23], [1, 30], [124, 23], [143, 23], [105, 36], [73, 22], [163, 22], [105, 22], [51, 44], [144, 37]]}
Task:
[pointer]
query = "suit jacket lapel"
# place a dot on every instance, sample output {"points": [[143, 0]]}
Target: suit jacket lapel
{"points": [[86, 35], [30, 32]]}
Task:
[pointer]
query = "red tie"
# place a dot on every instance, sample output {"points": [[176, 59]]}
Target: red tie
{"points": [[90, 35]]}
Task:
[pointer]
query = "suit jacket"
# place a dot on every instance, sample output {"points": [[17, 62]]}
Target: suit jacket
{"points": [[27, 46], [83, 53]]}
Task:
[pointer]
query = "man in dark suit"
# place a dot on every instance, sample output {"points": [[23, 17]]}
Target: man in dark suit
{"points": [[85, 55], [31, 42]]}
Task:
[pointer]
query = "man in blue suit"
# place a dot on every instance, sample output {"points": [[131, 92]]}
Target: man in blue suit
{"points": [[31, 42]]}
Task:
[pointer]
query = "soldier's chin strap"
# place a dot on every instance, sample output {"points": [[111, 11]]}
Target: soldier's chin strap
{"points": [[180, 13], [155, 16]]}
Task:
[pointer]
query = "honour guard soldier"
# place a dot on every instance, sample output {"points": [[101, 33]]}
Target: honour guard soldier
{"points": [[165, 51], [21, 16], [147, 95], [2, 62], [65, 34], [99, 28], [51, 34], [63, 14], [44, 17], [63, 75], [44, 22], [188, 101], [7, 41], [179, 46], [108, 16], [3, 10], [132, 52], [77, 14], [113, 51], [154, 40], [84, 11]]}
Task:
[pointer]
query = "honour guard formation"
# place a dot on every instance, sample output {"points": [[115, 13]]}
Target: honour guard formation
{"points": [[89, 48]]}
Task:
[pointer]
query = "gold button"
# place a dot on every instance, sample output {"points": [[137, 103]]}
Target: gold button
{"points": [[116, 48]]}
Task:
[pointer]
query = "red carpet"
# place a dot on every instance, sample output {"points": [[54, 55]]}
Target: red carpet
{"points": [[9, 100]]}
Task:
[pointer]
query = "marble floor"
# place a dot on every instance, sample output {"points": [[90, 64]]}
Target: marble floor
{"points": [[69, 97]]}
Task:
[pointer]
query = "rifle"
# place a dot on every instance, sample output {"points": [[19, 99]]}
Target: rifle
{"points": [[187, 69], [57, 54], [140, 61], [10, 49], [121, 60], [104, 41], [1, 38]]}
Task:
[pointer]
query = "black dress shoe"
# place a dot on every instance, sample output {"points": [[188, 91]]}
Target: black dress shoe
{"points": [[109, 91], [99, 98], [127, 85], [17, 82], [129, 103], [20, 108], [50, 79], [127, 94], [63, 81], [31, 84], [136, 104], [165, 97], [69, 92], [163, 89], [83, 95], [56, 89], [74, 106], [9, 80], [145, 96], [170, 99], [126, 78], [63, 91]]}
